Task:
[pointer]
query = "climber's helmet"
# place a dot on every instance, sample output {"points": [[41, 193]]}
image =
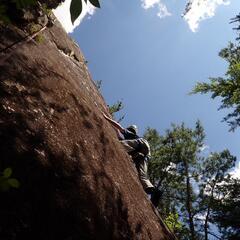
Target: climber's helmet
{"points": [[133, 129]]}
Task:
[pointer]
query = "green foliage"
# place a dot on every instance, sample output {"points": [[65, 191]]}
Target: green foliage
{"points": [[46, 10], [6, 182], [173, 167], [226, 208], [116, 107], [219, 192], [227, 88], [173, 223], [95, 3], [7, 172], [76, 8], [39, 38], [188, 178], [236, 20], [35, 28]]}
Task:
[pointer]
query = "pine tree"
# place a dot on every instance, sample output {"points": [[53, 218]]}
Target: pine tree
{"points": [[227, 209], [189, 179], [228, 87]]}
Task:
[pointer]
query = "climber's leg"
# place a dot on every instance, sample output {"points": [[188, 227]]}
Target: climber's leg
{"points": [[141, 166], [147, 185]]}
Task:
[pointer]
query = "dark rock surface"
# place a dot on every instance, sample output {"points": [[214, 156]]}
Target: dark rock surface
{"points": [[76, 180]]}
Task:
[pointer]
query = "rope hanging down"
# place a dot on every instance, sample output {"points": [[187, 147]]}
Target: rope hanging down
{"points": [[24, 39]]}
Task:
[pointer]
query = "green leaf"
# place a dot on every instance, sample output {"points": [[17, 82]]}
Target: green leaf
{"points": [[95, 3], [13, 183], [75, 9], [7, 172]]}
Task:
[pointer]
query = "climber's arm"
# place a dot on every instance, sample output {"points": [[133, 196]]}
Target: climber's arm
{"points": [[114, 123]]}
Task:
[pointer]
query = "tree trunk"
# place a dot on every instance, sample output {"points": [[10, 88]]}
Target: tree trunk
{"points": [[189, 203], [207, 216]]}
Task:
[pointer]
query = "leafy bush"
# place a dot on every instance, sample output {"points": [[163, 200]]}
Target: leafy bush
{"points": [[7, 182], [173, 222]]}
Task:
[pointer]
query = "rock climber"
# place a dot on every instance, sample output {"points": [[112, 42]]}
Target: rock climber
{"points": [[138, 148]]}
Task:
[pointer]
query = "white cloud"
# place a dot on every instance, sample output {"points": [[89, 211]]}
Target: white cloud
{"points": [[204, 148], [63, 14], [236, 172], [149, 3], [201, 10], [162, 9]]}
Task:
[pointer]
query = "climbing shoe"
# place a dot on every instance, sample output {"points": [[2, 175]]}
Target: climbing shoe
{"points": [[156, 196]]}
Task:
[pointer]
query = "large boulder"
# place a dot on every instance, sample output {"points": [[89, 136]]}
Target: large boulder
{"points": [[76, 180]]}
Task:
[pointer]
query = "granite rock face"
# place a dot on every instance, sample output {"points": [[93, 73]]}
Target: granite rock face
{"points": [[77, 183]]}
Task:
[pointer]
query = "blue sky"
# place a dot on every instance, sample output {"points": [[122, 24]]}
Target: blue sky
{"points": [[152, 63]]}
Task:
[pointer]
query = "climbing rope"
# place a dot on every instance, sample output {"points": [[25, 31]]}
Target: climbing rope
{"points": [[24, 39]]}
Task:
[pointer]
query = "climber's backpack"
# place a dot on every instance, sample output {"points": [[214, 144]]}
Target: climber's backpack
{"points": [[142, 150]]}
